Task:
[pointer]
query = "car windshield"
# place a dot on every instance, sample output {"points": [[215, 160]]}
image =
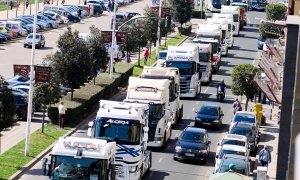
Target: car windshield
{"points": [[192, 137], [208, 110], [30, 36], [248, 118], [239, 166], [185, 67], [241, 131], [123, 131], [223, 151], [204, 57], [68, 167], [162, 55], [233, 142]]}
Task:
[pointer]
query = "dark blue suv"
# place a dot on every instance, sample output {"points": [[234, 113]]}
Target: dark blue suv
{"points": [[209, 115]]}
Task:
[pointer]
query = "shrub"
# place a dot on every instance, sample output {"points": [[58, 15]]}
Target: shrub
{"points": [[275, 11], [186, 29], [270, 30], [88, 96]]}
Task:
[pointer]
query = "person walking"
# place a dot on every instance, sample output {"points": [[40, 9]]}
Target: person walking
{"points": [[62, 112], [63, 2], [237, 106], [11, 4], [109, 6], [146, 55], [27, 4], [265, 156]]}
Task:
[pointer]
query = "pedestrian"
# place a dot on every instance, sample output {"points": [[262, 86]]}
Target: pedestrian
{"points": [[88, 10], [265, 156], [27, 4], [62, 112], [112, 6], [109, 6], [84, 2], [237, 106], [146, 55], [11, 4], [62, 2]]}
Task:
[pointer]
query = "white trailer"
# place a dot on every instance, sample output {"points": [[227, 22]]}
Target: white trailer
{"points": [[235, 11], [81, 158], [172, 74], [186, 58], [229, 20], [154, 93], [127, 125], [223, 23]]}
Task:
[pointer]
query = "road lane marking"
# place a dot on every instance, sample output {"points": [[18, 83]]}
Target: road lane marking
{"points": [[160, 159]]}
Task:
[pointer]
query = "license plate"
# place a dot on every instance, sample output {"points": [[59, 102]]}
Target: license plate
{"points": [[206, 123], [190, 154]]}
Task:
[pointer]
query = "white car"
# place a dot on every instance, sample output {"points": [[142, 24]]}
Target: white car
{"points": [[161, 59], [59, 18], [230, 149], [233, 139]]}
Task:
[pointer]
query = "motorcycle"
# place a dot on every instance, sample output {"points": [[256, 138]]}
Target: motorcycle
{"points": [[221, 94]]}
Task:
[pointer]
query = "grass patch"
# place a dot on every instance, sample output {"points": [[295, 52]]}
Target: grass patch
{"points": [[13, 159], [137, 70]]}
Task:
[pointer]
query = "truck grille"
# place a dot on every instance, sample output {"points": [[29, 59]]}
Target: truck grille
{"points": [[119, 170], [185, 86], [152, 130], [202, 68]]}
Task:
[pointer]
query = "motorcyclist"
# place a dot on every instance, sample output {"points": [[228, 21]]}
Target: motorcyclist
{"points": [[221, 85]]}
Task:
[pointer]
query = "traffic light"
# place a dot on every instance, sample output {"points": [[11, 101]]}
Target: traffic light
{"points": [[168, 21]]}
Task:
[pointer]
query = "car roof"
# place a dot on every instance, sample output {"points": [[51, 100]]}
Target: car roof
{"points": [[122, 13], [234, 148], [245, 112], [194, 129], [243, 125], [234, 156], [163, 51], [235, 137], [210, 105]]}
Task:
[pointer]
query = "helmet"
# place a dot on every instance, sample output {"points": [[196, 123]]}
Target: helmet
{"points": [[222, 81]]}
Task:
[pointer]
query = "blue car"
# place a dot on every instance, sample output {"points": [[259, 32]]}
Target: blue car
{"points": [[8, 37], [209, 115], [193, 144], [28, 22], [97, 6], [51, 23], [16, 79], [73, 18]]}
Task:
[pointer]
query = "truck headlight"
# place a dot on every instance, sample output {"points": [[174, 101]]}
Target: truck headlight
{"points": [[132, 169], [203, 151], [178, 149], [158, 138]]}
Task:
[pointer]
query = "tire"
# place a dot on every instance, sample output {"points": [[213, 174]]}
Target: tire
{"points": [[43, 45], [196, 124], [219, 127], [16, 118], [75, 20], [38, 46], [175, 158], [25, 46]]}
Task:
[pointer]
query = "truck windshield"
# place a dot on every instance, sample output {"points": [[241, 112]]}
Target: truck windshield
{"points": [[204, 57], [216, 4], [223, 35], [215, 46], [156, 111], [67, 167], [162, 55], [123, 131], [235, 18], [185, 67]]}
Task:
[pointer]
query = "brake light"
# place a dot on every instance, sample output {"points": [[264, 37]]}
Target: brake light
{"points": [[215, 59]]}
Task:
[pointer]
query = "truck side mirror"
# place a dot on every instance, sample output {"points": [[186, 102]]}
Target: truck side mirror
{"points": [[146, 129], [145, 138], [89, 132], [91, 123]]}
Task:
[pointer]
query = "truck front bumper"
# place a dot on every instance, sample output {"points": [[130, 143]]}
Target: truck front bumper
{"points": [[190, 94]]}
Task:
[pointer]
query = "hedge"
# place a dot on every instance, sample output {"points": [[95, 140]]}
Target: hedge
{"points": [[89, 95], [197, 14], [186, 29]]}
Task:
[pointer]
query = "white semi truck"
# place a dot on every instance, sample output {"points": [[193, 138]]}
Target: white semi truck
{"points": [[214, 5], [172, 74], [235, 11], [231, 27], [81, 158], [127, 125], [186, 58], [205, 55], [216, 54], [215, 31], [154, 93]]}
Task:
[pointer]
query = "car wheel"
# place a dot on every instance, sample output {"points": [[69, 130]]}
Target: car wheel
{"points": [[220, 126], [24, 46], [75, 20], [43, 45], [38, 46], [16, 118], [175, 158]]}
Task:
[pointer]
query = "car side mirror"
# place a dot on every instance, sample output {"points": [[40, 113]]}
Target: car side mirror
{"points": [[208, 142], [89, 132], [217, 156]]}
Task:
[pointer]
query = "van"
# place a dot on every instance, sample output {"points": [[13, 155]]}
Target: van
{"points": [[15, 25]]}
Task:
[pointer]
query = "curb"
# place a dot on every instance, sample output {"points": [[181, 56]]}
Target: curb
{"points": [[30, 164]]}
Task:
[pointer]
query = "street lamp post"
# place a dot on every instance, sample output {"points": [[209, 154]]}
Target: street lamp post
{"points": [[158, 27], [113, 37], [29, 112]]}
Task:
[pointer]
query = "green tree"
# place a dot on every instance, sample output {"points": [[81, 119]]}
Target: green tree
{"points": [[98, 53], [72, 65], [270, 30], [242, 77], [45, 94], [7, 106], [276, 11], [182, 10]]}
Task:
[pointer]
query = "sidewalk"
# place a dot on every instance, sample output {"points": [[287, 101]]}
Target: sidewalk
{"points": [[269, 136], [30, 10]]}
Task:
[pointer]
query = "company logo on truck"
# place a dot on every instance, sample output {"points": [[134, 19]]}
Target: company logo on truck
{"points": [[112, 121]]}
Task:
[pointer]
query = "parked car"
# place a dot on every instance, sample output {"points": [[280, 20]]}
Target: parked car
{"points": [[22, 104], [161, 58], [39, 40], [193, 144], [97, 6], [3, 29], [16, 79], [261, 42], [258, 5], [51, 23], [41, 26], [246, 117], [209, 115], [230, 149], [248, 130], [236, 163], [60, 19], [132, 14], [7, 36]]}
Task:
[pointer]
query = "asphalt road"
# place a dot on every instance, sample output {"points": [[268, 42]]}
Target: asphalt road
{"points": [[164, 167]]}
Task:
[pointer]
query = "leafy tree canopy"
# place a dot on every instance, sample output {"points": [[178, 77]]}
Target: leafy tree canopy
{"points": [[182, 10], [275, 11]]}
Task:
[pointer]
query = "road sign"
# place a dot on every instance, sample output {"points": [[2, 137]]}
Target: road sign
{"points": [[22, 70], [164, 11], [121, 37], [42, 74]]}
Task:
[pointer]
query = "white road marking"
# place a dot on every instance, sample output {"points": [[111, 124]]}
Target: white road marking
{"points": [[160, 159]]}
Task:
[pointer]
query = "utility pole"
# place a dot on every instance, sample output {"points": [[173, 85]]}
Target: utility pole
{"points": [[29, 112], [6, 9], [158, 27], [113, 37]]}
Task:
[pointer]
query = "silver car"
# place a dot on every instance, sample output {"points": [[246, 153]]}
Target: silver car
{"points": [[39, 41]]}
